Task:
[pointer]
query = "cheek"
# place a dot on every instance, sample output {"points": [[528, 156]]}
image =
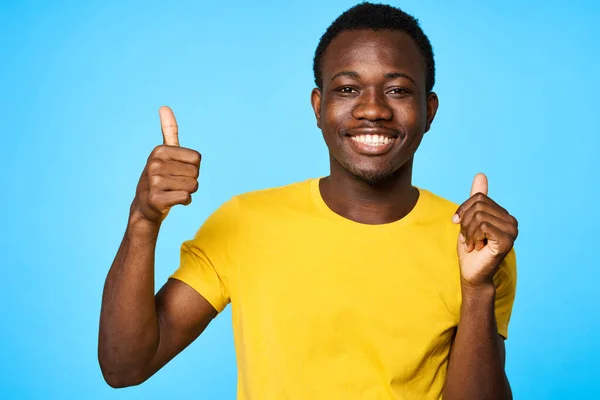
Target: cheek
{"points": [[336, 114], [412, 115]]}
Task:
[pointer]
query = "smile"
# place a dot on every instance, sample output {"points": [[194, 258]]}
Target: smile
{"points": [[371, 145], [372, 140]]}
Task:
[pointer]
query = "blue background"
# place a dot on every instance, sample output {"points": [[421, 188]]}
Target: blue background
{"points": [[81, 83]]}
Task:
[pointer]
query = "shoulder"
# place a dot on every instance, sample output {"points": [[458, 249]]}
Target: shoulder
{"points": [[264, 209], [257, 209], [295, 194], [438, 206]]}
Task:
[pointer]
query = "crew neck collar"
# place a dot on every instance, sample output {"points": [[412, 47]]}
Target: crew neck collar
{"points": [[418, 210]]}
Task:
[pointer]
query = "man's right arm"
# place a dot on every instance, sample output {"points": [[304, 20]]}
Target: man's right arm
{"points": [[140, 331]]}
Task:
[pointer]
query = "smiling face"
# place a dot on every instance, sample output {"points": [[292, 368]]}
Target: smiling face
{"points": [[373, 108]]}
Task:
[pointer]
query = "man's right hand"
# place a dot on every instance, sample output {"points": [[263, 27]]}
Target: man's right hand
{"points": [[170, 176], [140, 331]]}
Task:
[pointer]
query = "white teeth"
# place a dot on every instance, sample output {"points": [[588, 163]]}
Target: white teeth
{"points": [[372, 140]]}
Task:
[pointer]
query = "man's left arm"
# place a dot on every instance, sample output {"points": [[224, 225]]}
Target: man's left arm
{"points": [[477, 358]]}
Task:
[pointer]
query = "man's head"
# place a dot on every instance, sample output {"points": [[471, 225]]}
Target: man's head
{"points": [[374, 72]]}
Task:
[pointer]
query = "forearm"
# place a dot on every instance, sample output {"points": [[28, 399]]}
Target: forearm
{"points": [[129, 329], [476, 366]]}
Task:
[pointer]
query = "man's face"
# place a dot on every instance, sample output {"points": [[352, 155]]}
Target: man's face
{"points": [[373, 108]]}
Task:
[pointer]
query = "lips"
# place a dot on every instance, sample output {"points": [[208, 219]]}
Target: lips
{"points": [[372, 141], [371, 145]]}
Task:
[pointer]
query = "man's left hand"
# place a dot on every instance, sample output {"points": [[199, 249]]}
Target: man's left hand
{"points": [[487, 234]]}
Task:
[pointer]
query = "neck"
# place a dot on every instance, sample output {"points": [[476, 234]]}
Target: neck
{"points": [[366, 203]]}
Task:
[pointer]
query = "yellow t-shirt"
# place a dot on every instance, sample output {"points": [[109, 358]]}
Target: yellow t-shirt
{"points": [[327, 308]]}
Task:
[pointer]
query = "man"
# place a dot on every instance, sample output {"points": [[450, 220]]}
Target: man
{"points": [[354, 286]]}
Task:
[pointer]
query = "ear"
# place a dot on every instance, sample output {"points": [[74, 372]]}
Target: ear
{"points": [[315, 100], [432, 107]]}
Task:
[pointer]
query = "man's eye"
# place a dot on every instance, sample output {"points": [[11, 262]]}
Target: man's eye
{"points": [[398, 91], [347, 90]]}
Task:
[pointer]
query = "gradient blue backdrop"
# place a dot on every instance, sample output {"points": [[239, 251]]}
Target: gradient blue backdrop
{"points": [[81, 83]]}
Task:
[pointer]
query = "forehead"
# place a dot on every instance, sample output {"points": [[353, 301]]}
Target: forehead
{"points": [[368, 51]]}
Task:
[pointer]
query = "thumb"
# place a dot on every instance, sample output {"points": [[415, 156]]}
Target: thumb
{"points": [[480, 184], [168, 125]]}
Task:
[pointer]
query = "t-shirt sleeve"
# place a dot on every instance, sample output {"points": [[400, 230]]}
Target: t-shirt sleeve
{"points": [[207, 259], [506, 284]]}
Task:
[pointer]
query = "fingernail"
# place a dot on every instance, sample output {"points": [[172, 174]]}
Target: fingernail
{"points": [[461, 237], [455, 218]]}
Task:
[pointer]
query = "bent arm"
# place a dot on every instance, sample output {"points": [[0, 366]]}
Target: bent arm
{"points": [[141, 332], [476, 366]]}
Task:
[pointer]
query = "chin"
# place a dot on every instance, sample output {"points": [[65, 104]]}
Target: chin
{"points": [[373, 176], [373, 171]]}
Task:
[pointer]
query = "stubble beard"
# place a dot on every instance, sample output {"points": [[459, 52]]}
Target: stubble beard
{"points": [[372, 177]]}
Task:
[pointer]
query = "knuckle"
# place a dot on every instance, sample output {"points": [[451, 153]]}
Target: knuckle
{"points": [[156, 181], [158, 151], [153, 198], [479, 205], [155, 165], [478, 216], [194, 186], [480, 196]]}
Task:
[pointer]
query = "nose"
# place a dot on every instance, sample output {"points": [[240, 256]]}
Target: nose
{"points": [[372, 106]]}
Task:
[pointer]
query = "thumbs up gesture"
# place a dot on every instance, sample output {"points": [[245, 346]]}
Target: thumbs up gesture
{"points": [[170, 176], [487, 234]]}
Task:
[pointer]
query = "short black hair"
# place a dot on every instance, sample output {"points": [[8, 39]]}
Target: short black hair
{"points": [[377, 17]]}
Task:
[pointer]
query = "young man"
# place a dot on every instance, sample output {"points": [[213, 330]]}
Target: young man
{"points": [[354, 286]]}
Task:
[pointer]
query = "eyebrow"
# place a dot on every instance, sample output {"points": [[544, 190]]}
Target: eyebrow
{"points": [[392, 75], [350, 74], [389, 75]]}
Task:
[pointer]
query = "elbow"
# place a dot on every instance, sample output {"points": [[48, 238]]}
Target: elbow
{"points": [[119, 379], [117, 382]]}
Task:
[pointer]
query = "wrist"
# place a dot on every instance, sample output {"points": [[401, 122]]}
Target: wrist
{"points": [[479, 291], [139, 226]]}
